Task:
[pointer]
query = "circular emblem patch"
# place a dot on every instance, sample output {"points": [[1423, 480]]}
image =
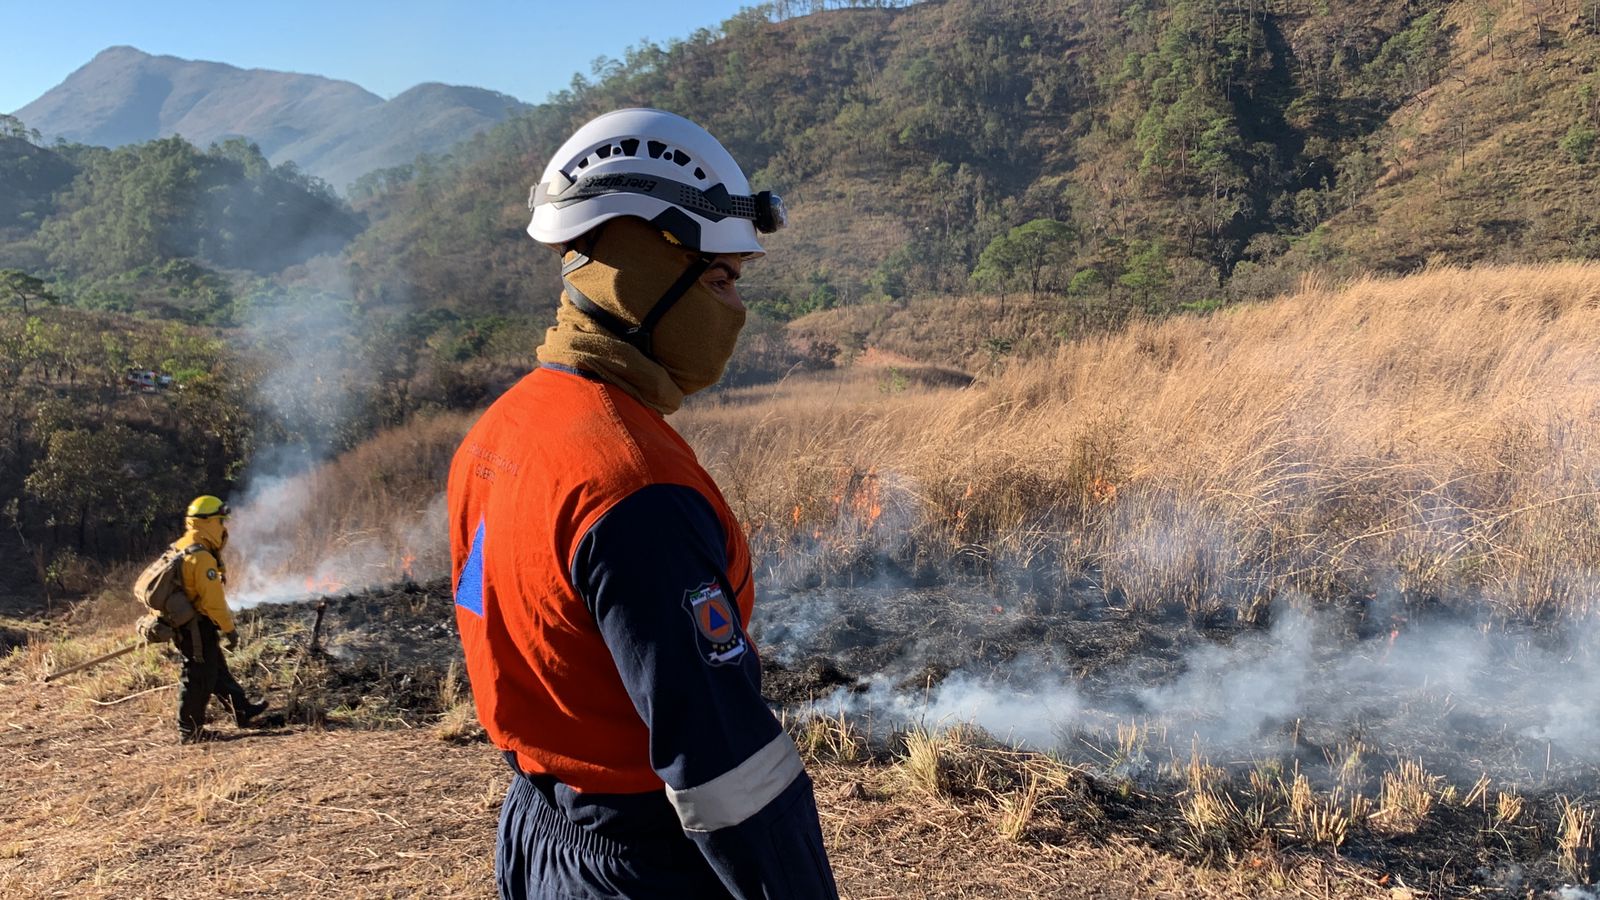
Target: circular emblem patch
{"points": [[715, 619]]}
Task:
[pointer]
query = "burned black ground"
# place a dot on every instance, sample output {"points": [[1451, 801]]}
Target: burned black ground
{"points": [[387, 656], [390, 658]]}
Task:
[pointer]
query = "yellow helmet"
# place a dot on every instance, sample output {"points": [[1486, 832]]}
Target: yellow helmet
{"points": [[207, 507]]}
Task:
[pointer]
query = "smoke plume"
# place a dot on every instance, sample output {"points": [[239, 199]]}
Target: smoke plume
{"points": [[308, 520], [1466, 697]]}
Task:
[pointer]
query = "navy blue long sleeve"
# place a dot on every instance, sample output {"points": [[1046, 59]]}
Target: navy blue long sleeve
{"points": [[653, 571]]}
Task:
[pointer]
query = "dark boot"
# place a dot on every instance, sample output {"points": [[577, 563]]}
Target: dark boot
{"points": [[197, 736], [243, 714]]}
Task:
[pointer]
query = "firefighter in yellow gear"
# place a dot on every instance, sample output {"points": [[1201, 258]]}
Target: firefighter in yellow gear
{"points": [[205, 672]]}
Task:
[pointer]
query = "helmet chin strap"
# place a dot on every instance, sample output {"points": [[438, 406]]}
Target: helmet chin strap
{"points": [[640, 335]]}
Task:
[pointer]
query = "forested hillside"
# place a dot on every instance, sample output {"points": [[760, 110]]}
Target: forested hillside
{"points": [[1149, 154], [154, 227], [30, 175], [124, 381]]}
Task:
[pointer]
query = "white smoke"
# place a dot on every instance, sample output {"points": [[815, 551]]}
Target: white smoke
{"points": [[1508, 702], [310, 334], [307, 332], [1031, 715], [266, 529]]}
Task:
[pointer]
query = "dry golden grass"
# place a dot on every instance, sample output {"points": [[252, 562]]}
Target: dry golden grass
{"points": [[1433, 435], [975, 333], [1575, 841], [828, 738], [929, 763], [1211, 813], [1031, 796], [1016, 810], [459, 724], [1508, 808], [1407, 795]]}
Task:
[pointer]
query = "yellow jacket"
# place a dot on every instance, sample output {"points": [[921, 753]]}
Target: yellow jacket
{"points": [[203, 572]]}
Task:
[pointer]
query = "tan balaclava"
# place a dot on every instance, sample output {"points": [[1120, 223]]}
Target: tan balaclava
{"points": [[208, 531], [631, 265]]}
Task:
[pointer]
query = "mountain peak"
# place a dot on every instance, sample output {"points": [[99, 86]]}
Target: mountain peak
{"points": [[119, 50], [334, 129]]}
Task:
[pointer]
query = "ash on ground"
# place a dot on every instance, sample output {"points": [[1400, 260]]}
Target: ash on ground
{"points": [[1340, 693], [383, 657], [1309, 686], [1343, 695]]}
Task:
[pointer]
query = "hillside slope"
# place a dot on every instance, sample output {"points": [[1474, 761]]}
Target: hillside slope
{"points": [[1186, 153], [428, 118], [333, 129], [29, 176], [1497, 161]]}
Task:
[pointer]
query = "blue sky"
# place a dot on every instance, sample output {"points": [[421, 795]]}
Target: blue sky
{"points": [[524, 49]]}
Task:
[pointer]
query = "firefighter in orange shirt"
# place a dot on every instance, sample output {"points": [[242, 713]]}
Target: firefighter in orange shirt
{"points": [[602, 585]]}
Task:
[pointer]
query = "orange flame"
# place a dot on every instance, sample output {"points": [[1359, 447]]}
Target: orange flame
{"points": [[1102, 491], [962, 509], [405, 564], [1389, 645], [864, 495], [325, 586]]}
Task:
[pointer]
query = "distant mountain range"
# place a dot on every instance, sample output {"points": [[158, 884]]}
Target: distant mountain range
{"points": [[335, 130]]}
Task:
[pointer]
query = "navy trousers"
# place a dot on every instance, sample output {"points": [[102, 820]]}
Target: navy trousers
{"points": [[542, 854]]}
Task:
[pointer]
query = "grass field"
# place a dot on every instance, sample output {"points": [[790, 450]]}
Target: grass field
{"points": [[1432, 436], [1425, 445]]}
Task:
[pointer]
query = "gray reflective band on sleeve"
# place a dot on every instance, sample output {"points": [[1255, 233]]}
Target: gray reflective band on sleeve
{"points": [[736, 795]]}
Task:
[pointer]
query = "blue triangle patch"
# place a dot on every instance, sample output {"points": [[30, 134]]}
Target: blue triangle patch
{"points": [[469, 587], [716, 619]]}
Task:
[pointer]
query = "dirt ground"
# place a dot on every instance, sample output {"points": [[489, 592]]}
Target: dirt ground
{"points": [[357, 786], [101, 802]]}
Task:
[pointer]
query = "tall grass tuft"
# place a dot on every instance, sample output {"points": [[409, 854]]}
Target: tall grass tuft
{"points": [[1575, 841]]}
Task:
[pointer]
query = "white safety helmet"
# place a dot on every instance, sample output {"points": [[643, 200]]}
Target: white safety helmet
{"points": [[659, 167]]}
